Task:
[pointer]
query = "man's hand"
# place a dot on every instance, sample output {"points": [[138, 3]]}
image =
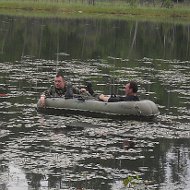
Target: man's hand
{"points": [[82, 90], [104, 97], [42, 100]]}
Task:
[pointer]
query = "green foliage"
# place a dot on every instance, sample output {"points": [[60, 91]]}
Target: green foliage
{"points": [[133, 3], [131, 181], [106, 9], [167, 3]]}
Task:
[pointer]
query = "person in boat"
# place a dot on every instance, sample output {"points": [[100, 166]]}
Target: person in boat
{"points": [[62, 88], [131, 89]]}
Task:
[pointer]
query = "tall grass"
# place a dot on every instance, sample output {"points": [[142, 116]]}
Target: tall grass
{"points": [[114, 8]]}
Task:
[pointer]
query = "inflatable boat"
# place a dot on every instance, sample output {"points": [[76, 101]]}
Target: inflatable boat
{"points": [[145, 108]]}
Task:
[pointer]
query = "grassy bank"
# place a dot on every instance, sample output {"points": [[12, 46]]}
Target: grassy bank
{"points": [[100, 9]]}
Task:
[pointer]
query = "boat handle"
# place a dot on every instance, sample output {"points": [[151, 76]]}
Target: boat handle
{"points": [[80, 98], [137, 107]]}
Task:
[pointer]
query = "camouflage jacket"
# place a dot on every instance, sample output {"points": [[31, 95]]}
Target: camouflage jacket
{"points": [[55, 92]]}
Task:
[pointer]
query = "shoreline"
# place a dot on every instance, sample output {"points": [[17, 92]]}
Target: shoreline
{"points": [[99, 10]]}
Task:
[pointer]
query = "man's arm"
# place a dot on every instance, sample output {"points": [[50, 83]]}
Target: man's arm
{"points": [[103, 97]]}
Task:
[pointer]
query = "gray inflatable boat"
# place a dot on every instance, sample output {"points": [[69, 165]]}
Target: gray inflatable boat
{"points": [[145, 108]]}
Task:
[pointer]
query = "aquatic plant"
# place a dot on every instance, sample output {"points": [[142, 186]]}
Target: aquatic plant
{"points": [[131, 181]]}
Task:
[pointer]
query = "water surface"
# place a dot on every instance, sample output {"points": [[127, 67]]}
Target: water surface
{"points": [[78, 152]]}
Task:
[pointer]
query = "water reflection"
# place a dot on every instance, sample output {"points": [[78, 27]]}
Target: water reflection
{"points": [[16, 178], [75, 151], [91, 39]]}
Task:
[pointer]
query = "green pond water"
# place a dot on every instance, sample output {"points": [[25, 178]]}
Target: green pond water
{"points": [[48, 152]]}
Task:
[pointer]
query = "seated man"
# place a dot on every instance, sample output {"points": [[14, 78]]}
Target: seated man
{"points": [[61, 88], [131, 89]]}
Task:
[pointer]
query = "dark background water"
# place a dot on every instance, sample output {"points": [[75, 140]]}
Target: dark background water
{"points": [[74, 151]]}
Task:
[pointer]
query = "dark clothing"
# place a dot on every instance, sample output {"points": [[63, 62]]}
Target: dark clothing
{"points": [[54, 92], [123, 98], [89, 88]]}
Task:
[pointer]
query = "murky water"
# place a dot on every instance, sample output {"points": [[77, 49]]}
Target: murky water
{"points": [[79, 152]]}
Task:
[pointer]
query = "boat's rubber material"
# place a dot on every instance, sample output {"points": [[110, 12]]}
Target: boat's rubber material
{"points": [[145, 108]]}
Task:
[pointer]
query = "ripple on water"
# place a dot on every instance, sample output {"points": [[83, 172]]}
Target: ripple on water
{"points": [[82, 149]]}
